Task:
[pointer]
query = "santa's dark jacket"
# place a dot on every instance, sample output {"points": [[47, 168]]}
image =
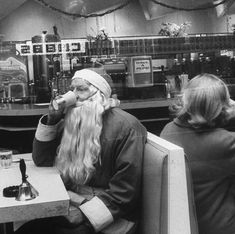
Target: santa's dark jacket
{"points": [[118, 175]]}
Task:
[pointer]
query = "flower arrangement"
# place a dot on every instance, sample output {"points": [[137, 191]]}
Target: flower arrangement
{"points": [[174, 30], [102, 35]]}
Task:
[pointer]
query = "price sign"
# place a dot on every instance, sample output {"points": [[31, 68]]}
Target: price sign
{"points": [[25, 49], [37, 48], [142, 66], [59, 46], [50, 48], [75, 47]]}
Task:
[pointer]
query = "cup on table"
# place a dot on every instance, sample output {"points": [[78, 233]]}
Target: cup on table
{"points": [[5, 158]]}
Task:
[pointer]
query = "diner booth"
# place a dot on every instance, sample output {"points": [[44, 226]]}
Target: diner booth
{"points": [[150, 49], [167, 204]]}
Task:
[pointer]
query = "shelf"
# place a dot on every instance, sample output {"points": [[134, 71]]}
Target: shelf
{"points": [[13, 109], [17, 129], [141, 104], [30, 113], [40, 109]]}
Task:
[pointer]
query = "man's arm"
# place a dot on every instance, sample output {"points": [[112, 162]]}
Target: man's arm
{"points": [[46, 142]]}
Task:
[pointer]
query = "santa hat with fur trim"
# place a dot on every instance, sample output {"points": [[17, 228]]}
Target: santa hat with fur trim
{"points": [[95, 79]]}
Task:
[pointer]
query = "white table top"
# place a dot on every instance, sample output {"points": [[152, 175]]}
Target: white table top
{"points": [[53, 199]]}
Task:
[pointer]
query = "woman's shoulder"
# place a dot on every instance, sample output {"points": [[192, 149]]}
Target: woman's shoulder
{"points": [[224, 136]]}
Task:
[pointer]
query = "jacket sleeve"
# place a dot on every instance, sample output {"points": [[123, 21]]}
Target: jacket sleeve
{"points": [[123, 193], [45, 143]]}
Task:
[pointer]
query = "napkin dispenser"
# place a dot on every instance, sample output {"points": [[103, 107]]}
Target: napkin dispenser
{"points": [[26, 190]]}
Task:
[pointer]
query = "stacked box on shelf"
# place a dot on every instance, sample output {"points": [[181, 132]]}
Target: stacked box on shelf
{"points": [[155, 45], [129, 48], [141, 46], [219, 42], [148, 46], [207, 43], [87, 49], [167, 44], [123, 47], [160, 42], [93, 47], [172, 44], [116, 47], [180, 44], [228, 41], [99, 45], [132, 46], [104, 47], [110, 47], [232, 41], [192, 42], [201, 43]]}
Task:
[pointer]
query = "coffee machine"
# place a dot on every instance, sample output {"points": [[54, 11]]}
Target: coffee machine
{"points": [[45, 66]]}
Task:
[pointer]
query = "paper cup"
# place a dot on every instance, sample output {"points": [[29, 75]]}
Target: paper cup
{"points": [[65, 100]]}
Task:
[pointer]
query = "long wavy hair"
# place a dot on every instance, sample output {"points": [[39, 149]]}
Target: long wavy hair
{"points": [[80, 147], [205, 101]]}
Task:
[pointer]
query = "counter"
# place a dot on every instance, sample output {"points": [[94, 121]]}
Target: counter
{"points": [[15, 109], [18, 122]]}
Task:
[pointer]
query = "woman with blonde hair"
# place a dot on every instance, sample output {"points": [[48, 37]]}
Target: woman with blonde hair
{"points": [[98, 149], [210, 149]]}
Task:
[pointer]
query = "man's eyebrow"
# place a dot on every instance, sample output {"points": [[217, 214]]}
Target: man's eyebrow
{"points": [[76, 85]]}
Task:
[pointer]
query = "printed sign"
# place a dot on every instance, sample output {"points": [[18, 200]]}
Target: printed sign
{"points": [[65, 46], [142, 66]]}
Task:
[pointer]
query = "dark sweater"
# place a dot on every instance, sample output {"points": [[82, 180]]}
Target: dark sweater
{"points": [[211, 155]]}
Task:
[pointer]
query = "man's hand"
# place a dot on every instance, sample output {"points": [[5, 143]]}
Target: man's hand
{"points": [[54, 116], [75, 216], [75, 199]]}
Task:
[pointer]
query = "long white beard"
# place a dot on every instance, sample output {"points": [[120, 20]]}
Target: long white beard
{"points": [[80, 145]]}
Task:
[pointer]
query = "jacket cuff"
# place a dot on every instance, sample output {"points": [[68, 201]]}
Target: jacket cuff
{"points": [[46, 132], [97, 213]]}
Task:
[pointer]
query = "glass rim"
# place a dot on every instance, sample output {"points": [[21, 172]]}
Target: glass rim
{"points": [[4, 152]]}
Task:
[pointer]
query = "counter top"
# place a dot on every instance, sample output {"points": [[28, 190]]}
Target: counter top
{"points": [[15, 109]]}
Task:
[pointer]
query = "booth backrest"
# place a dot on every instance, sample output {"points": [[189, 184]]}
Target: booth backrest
{"points": [[167, 197]]}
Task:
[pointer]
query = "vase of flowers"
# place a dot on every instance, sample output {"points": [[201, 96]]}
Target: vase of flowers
{"points": [[174, 30]]}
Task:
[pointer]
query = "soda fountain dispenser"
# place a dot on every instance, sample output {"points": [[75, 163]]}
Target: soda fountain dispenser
{"points": [[45, 66]]}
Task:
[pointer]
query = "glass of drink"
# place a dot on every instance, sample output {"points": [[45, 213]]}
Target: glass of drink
{"points": [[5, 158]]}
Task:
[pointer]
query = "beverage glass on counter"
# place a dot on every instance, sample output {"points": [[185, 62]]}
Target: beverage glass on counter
{"points": [[5, 158], [65, 100]]}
